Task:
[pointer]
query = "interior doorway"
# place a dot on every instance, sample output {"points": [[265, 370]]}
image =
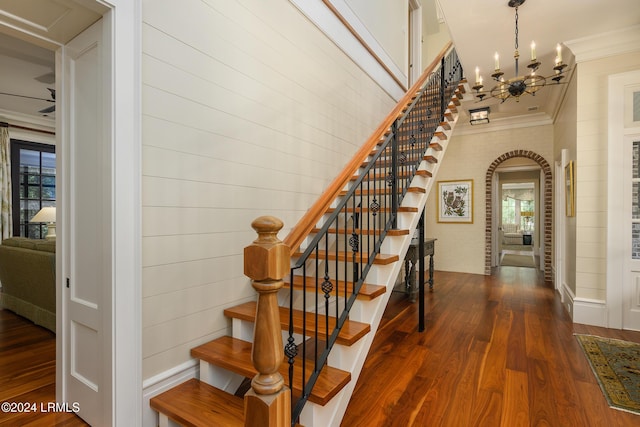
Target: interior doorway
{"points": [[544, 206], [121, 357], [517, 237]]}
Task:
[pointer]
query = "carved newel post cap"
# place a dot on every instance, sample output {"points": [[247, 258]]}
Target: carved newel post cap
{"points": [[267, 258]]}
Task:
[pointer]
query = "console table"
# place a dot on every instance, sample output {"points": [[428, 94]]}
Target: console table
{"points": [[411, 261]]}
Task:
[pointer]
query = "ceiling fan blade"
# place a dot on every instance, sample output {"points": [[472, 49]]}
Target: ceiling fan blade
{"points": [[48, 78], [25, 96], [48, 110]]}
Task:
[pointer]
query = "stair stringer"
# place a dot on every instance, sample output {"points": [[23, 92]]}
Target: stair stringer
{"points": [[352, 358]]}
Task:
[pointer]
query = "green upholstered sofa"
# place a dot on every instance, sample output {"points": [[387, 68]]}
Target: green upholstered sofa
{"points": [[28, 279]]}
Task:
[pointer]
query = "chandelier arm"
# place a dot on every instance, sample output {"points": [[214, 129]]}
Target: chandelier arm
{"points": [[518, 85]]}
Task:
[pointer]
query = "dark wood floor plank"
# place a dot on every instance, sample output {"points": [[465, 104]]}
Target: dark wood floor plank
{"points": [[28, 373], [515, 408], [498, 351], [501, 351]]}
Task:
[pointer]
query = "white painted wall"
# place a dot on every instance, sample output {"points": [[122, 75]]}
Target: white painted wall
{"points": [[388, 22], [591, 171], [435, 33], [461, 247], [564, 131], [248, 110]]}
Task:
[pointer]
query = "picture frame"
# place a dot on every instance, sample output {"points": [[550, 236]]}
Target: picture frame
{"points": [[569, 192], [455, 201]]}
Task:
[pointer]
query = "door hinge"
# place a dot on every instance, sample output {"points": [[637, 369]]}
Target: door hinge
{"points": [[67, 282]]}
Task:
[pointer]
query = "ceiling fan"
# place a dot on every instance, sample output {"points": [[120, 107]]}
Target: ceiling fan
{"points": [[45, 111]]}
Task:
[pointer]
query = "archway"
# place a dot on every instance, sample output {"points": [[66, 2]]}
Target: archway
{"points": [[548, 205]]}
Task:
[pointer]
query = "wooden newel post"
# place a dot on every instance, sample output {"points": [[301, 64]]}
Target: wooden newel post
{"points": [[266, 262]]}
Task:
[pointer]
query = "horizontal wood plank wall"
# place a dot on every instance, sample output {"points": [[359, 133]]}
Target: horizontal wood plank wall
{"points": [[590, 222], [248, 110]]}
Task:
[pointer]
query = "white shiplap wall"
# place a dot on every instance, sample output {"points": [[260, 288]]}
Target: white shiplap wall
{"points": [[591, 172], [248, 109]]}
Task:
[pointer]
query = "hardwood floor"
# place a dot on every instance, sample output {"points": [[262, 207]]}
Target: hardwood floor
{"points": [[27, 374], [497, 351]]}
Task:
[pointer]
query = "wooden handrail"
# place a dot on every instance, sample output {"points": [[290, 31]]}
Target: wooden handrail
{"points": [[309, 220]]}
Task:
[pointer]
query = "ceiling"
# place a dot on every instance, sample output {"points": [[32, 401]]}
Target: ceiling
{"points": [[28, 61], [478, 29], [27, 70]]}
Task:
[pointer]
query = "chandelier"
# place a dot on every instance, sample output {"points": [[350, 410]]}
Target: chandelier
{"points": [[519, 85]]}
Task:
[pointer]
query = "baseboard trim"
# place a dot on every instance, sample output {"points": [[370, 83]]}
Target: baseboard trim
{"points": [[590, 312], [584, 310], [566, 297], [163, 382]]}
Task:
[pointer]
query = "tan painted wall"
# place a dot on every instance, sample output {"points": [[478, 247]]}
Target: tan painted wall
{"points": [[461, 247]]}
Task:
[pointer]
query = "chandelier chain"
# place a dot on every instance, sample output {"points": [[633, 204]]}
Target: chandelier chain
{"points": [[516, 28]]}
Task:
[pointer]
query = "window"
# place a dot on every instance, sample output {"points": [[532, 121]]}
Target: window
{"points": [[33, 185], [509, 211], [518, 205]]}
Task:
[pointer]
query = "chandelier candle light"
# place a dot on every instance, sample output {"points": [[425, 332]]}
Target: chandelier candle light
{"points": [[519, 85]]}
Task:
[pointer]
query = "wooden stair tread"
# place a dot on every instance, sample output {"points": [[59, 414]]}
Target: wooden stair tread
{"points": [[364, 231], [197, 404], [380, 259], [403, 174], [440, 135], [351, 331], [431, 159], [367, 291], [383, 191], [435, 146], [235, 355], [351, 209]]}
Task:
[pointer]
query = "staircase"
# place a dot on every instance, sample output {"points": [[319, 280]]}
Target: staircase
{"points": [[346, 254]]}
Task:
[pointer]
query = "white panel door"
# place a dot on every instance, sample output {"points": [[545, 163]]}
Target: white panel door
{"points": [[631, 282], [88, 211]]}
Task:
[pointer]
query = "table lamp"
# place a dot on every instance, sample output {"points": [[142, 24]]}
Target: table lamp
{"points": [[47, 215]]}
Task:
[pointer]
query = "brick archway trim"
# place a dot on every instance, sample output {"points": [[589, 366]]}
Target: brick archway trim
{"points": [[548, 206]]}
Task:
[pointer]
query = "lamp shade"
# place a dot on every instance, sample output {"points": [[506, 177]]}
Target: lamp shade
{"points": [[47, 214]]}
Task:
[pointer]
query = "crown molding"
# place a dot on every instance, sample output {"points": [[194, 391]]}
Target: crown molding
{"points": [[618, 42]]}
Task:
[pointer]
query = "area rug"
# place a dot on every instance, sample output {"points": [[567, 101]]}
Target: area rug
{"points": [[510, 260], [616, 365]]}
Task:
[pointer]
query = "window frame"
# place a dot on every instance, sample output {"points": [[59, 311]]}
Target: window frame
{"points": [[16, 146]]}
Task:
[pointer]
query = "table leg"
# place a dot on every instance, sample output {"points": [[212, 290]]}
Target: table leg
{"points": [[430, 281]]}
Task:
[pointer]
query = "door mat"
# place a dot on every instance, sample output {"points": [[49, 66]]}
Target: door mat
{"points": [[510, 260], [616, 365]]}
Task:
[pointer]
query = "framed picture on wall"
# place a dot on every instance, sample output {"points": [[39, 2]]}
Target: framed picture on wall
{"points": [[569, 192], [455, 201]]}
